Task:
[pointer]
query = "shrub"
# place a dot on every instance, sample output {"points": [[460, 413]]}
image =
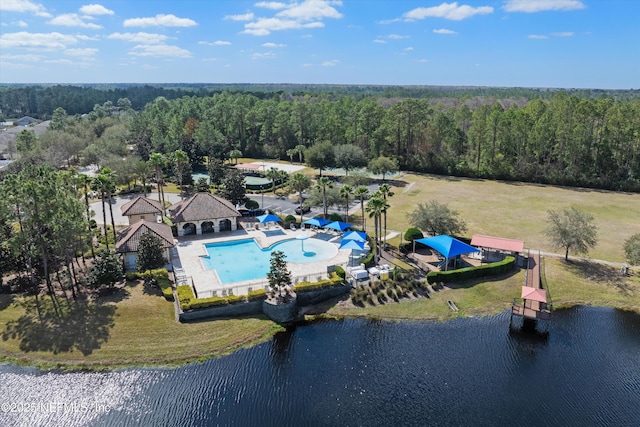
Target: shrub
{"points": [[289, 219], [312, 286], [185, 294], [232, 299], [368, 261], [412, 234], [340, 271], [256, 295], [492, 269], [334, 216]]}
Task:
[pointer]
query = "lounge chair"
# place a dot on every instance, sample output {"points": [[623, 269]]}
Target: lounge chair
{"points": [[292, 226]]}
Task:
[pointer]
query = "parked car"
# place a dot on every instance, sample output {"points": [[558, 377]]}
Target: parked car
{"points": [[304, 210]]}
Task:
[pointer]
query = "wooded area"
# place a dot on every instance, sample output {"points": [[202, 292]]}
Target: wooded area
{"points": [[576, 139]]}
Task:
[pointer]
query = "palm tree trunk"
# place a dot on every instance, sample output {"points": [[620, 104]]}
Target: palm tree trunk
{"points": [[86, 202], [113, 223], [104, 222]]}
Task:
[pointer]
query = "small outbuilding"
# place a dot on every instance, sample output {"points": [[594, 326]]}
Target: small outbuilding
{"points": [[495, 248], [128, 240], [142, 208], [204, 213]]}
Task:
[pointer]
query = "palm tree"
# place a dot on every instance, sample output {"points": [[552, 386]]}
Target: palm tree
{"points": [[158, 162], [362, 193], [324, 183], [345, 192], [109, 180], [273, 174], [300, 182], [98, 185], [141, 171], [180, 159], [385, 191], [376, 208]]}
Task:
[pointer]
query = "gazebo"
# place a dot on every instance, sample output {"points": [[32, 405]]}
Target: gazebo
{"points": [[448, 246]]}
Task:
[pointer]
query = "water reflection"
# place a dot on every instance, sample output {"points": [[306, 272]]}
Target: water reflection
{"points": [[585, 371]]}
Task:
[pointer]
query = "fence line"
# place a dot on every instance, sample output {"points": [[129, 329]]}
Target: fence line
{"points": [[245, 288]]}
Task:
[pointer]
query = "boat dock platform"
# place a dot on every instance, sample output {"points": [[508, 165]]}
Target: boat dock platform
{"points": [[534, 302]]}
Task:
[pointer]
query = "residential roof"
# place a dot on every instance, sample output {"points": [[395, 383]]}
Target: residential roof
{"points": [[202, 206], [497, 243], [141, 205], [129, 238]]}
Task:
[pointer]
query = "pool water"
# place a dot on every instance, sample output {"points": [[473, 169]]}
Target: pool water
{"points": [[242, 260]]}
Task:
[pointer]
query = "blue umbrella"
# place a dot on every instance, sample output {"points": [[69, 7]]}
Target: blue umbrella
{"points": [[358, 236], [268, 218], [318, 222], [338, 225], [352, 244]]}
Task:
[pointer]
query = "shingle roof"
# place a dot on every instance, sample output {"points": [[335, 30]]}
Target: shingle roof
{"points": [[129, 238], [202, 206], [141, 205]]}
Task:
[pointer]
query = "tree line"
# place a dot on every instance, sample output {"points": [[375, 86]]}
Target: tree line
{"points": [[566, 140]]}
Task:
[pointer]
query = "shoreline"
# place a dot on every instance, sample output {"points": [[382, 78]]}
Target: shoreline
{"points": [[139, 328], [178, 363]]}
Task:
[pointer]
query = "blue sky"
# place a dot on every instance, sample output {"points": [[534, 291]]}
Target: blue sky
{"points": [[530, 43]]}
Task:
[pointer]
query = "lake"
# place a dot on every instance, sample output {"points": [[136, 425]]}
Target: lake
{"points": [[466, 372]]}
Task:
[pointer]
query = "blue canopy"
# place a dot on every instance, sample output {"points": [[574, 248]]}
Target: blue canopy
{"points": [[358, 236], [268, 218], [448, 246], [338, 225], [352, 244], [318, 222]]}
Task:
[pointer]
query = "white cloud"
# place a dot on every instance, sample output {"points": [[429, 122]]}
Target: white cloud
{"points": [[449, 11], [246, 17], [141, 37], [380, 41], [531, 6], [73, 20], [24, 6], [303, 15], [160, 50], [397, 37], [423, 60], [59, 61], [96, 9], [564, 34], [331, 63], [264, 55], [274, 5], [444, 31], [86, 52], [264, 26], [538, 36], [160, 20], [216, 43], [25, 57], [272, 45], [36, 40], [310, 10], [408, 49]]}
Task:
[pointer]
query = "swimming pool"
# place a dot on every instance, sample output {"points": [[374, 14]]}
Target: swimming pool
{"points": [[242, 260]]}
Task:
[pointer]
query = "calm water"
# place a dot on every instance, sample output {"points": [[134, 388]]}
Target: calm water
{"points": [[246, 260], [340, 373]]}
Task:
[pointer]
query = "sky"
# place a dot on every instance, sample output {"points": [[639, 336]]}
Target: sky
{"points": [[506, 43]]}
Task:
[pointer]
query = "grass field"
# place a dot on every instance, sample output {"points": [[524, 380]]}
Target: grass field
{"points": [[133, 327], [519, 211]]}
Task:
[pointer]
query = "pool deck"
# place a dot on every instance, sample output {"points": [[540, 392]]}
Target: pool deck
{"points": [[187, 253]]}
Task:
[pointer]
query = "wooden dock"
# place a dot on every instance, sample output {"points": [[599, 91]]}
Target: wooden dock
{"points": [[534, 303]]}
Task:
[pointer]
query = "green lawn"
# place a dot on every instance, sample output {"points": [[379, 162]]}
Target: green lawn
{"points": [[131, 328], [519, 211]]}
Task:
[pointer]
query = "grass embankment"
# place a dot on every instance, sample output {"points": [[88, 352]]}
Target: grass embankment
{"points": [[135, 326], [575, 283]]}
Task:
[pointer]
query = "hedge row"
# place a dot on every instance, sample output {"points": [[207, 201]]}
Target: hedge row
{"points": [[312, 286], [467, 273], [188, 301], [161, 276]]}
